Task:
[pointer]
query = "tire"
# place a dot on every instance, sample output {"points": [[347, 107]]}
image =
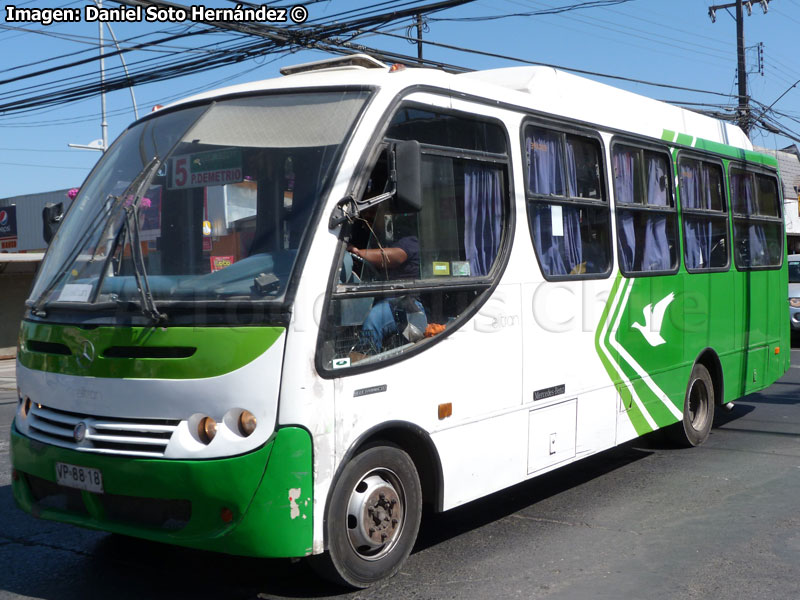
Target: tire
{"points": [[698, 410], [373, 518]]}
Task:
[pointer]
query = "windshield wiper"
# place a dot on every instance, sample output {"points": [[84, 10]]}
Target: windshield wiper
{"points": [[132, 198], [129, 199]]}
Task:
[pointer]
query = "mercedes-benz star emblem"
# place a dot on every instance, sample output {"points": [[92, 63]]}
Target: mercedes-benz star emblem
{"points": [[79, 433], [86, 355]]}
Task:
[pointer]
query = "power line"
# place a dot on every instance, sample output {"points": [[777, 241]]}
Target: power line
{"points": [[554, 66], [537, 13]]}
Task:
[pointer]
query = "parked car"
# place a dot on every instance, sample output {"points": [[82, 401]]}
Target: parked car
{"points": [[794, 292]]}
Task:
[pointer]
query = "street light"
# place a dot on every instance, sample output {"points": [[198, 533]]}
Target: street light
{"points": [[102, 144]]}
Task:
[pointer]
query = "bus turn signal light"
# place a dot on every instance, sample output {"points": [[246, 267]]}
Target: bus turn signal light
{"points": [[207, 429], [247, 423], [445, 410]]}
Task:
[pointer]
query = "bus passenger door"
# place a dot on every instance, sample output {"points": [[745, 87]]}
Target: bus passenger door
{"points": [[418, 327]]}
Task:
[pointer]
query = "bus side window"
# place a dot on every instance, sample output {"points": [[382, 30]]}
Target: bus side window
{"points": [[705, 217], [567, 205], [407, 277], [647, 220], [757, 225]]}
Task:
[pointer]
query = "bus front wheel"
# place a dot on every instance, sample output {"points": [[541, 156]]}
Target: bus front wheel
{"points": [[698, 410], [373, 519]]}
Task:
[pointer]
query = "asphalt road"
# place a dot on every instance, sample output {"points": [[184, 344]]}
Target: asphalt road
{"points": [[640, 521]]}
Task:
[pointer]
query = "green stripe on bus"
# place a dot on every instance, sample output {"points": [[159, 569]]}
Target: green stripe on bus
{"points": [[174, 352], [634, 412], [719, 148], [636, 417]]}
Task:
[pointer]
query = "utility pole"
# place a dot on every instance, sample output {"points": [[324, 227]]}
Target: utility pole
{"points": [[741, 69], [419, 37], [422, 27]]}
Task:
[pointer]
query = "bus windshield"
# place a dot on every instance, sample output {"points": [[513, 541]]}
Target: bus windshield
{"points": [[205, 203]]}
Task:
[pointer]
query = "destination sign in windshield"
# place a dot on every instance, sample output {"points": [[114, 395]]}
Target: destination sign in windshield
{"points": [[206, 169]]}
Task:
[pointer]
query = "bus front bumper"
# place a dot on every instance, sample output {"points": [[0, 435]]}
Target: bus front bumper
{"points": [[257, 504]]}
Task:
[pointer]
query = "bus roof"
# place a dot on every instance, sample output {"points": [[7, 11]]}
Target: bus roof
{"points": [[540, 89]]}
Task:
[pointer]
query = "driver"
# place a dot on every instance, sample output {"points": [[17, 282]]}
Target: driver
{"points": [[389, 315]]}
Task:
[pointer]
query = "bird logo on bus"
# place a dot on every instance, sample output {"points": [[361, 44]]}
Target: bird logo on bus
{"points": [[653, 320]]}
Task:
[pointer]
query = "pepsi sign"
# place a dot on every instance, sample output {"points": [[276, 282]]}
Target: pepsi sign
{"points": [[8, 221]]}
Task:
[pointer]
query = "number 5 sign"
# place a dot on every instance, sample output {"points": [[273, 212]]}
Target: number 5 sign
{"points": [[180, 172]]}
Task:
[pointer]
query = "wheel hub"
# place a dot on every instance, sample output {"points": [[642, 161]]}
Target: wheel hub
{"points": [[374, 516]]}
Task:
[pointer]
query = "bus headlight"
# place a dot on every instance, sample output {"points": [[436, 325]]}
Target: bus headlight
{"points": [[206, 429], [794, 302], [247, 423]]}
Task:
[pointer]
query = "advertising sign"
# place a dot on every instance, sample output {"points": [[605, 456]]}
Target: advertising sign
{"points": [[220, 262], [8, 228], [8, 222], [206, 169]]}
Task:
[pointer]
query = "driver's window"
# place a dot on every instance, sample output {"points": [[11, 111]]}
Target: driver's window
{"points": [[408, 276]]}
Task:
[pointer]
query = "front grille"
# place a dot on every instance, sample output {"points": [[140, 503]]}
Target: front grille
{"points": [[53, 496], [169, 515], [104, 435]]}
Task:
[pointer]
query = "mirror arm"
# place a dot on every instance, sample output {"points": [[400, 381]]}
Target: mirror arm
{"points": [[370, 202], [348, 209]]}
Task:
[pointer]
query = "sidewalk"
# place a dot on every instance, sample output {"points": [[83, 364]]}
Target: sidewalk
{"points": [[8, 353]]}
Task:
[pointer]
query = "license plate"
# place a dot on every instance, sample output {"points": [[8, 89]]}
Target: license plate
{"points": [[82, 478]]}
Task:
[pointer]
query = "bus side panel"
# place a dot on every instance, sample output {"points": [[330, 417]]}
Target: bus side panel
{"points": [[482, 457], [563, 359], [647, 332], [476, 370]]}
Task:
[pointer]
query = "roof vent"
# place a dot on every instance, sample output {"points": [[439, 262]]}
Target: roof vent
{"points": [[359, 61]]}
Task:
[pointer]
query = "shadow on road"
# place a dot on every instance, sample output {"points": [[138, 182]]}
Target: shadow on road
{"points": [[437, 528], [60, 562], [53, 561]]}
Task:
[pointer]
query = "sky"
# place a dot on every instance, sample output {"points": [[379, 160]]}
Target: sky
{"points": [[670, 42]]}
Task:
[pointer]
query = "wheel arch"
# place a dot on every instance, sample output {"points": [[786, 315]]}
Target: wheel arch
{"points": [[709, 358], [414, 441]]}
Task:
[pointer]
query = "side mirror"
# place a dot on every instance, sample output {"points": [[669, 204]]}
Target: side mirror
{"points": [[52, 214], [408, 176]]}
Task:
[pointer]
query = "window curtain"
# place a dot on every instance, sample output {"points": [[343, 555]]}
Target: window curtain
{"points": [[755, 252], [697, 230], [482, 217], [546, 168], [558, 242], [573, 245], [656, 254], [624, 166]]}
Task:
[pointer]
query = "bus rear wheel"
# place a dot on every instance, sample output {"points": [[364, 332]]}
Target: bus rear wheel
{"points": [[373, 519], [698, 410]]}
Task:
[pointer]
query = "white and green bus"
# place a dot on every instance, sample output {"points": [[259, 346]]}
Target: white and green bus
{"points": [[281, 318]]}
